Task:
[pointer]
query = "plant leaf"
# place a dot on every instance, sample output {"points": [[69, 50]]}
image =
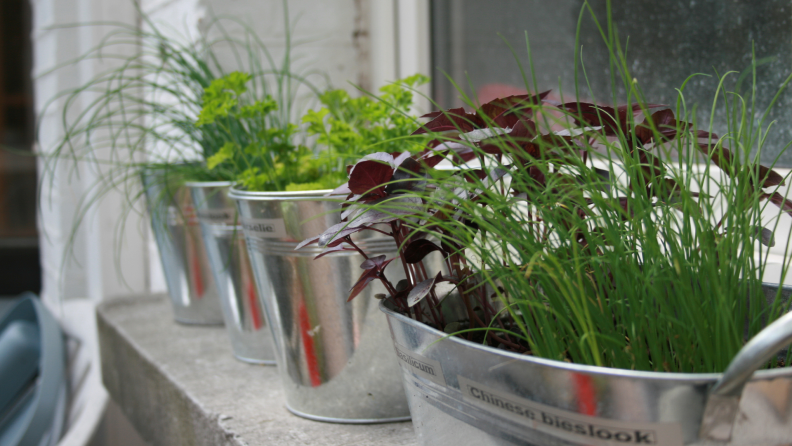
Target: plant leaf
{"points": [[506, 112], [373, 269], [373, 262], [417, 250], [765, 236], [768, 177], [779, 200], [393, 210], [363, 281], [368, 175], [409, 176], [336, 232], [337, 248], [455, 119], [307, 242], [421, 290]]}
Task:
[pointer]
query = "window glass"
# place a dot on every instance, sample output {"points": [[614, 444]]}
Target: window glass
{"points": [[668, 41]]}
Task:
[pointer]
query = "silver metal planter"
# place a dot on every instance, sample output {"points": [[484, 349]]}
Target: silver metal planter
{"points": [[187, 272], [251, 339], [334, 357], [464, 393]]}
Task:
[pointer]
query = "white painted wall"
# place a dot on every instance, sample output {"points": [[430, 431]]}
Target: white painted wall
{"points": [[90, 268]]}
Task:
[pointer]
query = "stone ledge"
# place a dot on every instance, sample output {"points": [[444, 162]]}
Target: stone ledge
{"points": [[181, 385]]}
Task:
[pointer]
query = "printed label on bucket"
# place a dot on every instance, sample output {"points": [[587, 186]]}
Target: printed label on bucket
{"points": [[264, 227], [570, 426], [217, 216], [420, 365]]}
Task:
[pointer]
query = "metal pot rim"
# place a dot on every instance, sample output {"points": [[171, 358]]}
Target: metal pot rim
{"points": [[209, 183], [239, 194], [588, 369]]}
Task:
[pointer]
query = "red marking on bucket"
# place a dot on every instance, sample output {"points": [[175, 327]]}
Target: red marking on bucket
{"points": [[253, 303], [195, 266], [586, 394], [308, 346]]}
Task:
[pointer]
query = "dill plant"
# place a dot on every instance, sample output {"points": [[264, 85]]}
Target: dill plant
{"points": [[343, 130]]}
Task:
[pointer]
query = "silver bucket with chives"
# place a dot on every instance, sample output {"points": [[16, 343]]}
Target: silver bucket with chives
{"points": [[468, 393]]}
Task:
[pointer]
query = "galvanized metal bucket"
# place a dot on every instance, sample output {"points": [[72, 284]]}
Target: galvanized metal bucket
{"points": [[251, 339], [334, 357], [464, 393], [187, 272]]}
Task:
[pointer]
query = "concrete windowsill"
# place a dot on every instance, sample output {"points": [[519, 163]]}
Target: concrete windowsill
{"points": [[181, 385]]}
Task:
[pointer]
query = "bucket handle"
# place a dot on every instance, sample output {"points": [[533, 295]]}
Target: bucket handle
{"points": [[723, 400]]}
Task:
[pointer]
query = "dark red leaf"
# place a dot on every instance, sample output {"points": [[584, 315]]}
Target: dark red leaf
{"points": [[389, 209], [454, 119], [341, 236], [373, 262], [588, 114], [714, 153], [307, 242], [334, 234], [768, 177], [523, 130], [434, 114], [508, 111], [624, 203], [651, 166], [536, 174], [664, 122], [417, 250], [613, 121], [706, 134], [765, 236], [637, 107], [517, 140], [409, 176], [472, 175], [373, 270], [333, 249], [493, 149], [779, 200], [722, 158], [422, 289], [368, 175], [363, 281]]}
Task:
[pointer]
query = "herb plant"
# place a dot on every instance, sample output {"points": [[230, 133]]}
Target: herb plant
{"points": [[145, 113], [625, 237], [344, 129]]}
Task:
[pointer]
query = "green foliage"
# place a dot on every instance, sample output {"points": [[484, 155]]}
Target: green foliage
{"points": [[625, 237], [617, 252], [345, 129], [171, 105], [348, 128], [258, 141]]}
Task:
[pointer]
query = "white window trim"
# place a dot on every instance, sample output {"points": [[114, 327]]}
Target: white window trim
{"points": [[401, 44]]}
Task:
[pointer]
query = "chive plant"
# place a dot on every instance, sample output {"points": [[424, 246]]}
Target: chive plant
{"points": [[145, 113], [627, 237]]}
